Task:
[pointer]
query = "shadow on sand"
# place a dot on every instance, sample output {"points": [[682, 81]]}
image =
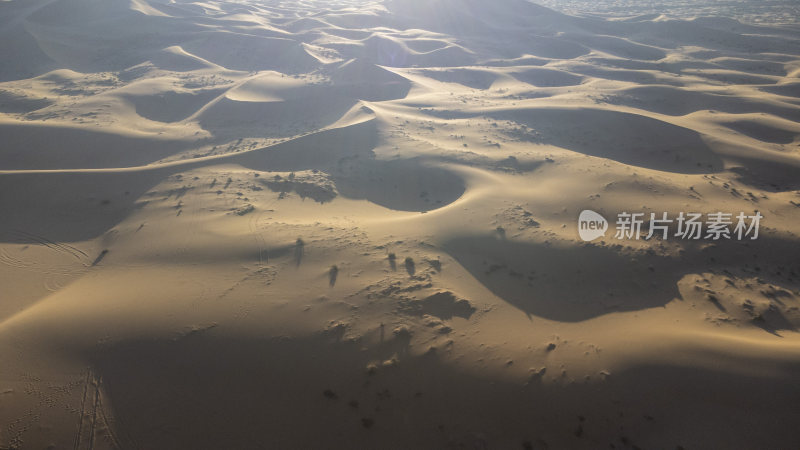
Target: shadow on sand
{"points": [[209, 392], [572, 283]]}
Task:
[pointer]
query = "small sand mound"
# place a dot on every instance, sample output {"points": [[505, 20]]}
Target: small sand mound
{"points": [[444, 305], [308, 183]]}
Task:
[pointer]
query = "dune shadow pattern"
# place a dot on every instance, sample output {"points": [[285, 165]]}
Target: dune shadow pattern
{"points": [[87, 204], [641, 141], [83, 206], [208, 392], [347, 155], [573, 283]]}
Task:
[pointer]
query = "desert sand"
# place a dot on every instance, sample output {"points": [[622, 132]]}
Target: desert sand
{"points": [[244, 224]]}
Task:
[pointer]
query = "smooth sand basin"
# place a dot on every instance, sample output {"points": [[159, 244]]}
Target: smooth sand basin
{"points": [[253, 224]]}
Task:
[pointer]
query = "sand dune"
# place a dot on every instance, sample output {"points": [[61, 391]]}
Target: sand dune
{"points": [[250, 224], [34, 146]]}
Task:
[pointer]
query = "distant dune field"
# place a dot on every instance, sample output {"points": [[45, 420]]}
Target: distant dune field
{"points": [[770, 12], [241, 224]]}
